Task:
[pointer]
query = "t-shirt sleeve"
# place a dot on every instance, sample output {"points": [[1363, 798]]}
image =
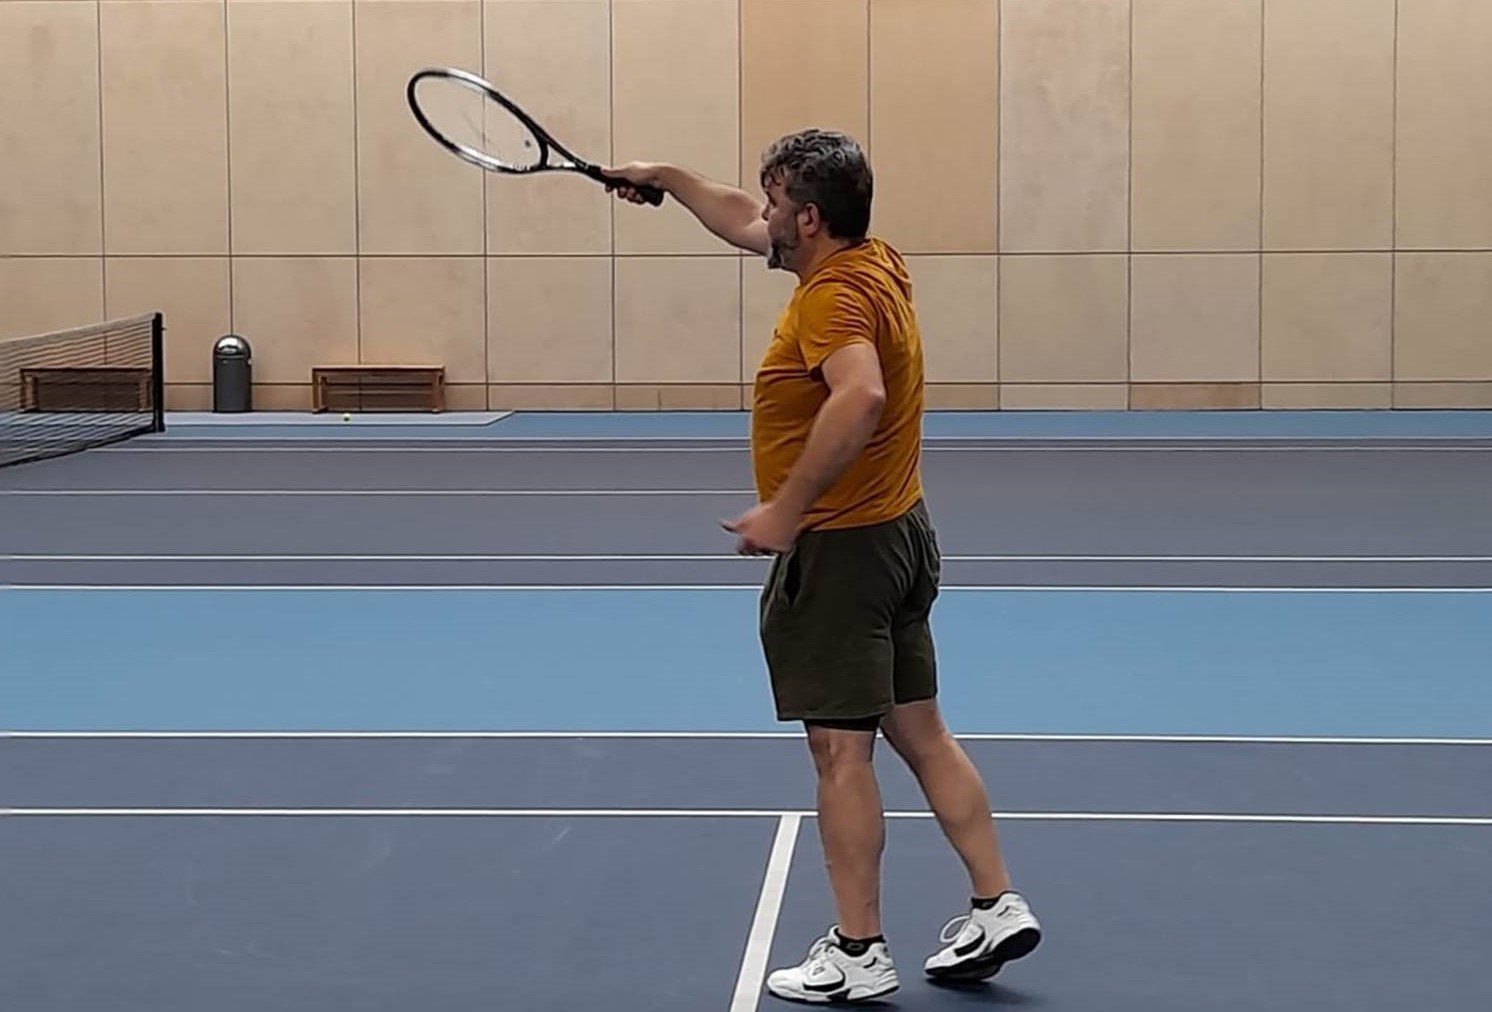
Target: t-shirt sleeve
{"points": [[832, 316]]}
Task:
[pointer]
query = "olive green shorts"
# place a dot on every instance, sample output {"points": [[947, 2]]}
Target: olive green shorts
{"points": [[845, 620]]}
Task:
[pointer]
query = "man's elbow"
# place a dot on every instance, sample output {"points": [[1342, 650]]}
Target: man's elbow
{"points": [[868, 399]]}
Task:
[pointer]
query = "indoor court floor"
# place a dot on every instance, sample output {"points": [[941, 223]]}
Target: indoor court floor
{"points": [[470, 714]]}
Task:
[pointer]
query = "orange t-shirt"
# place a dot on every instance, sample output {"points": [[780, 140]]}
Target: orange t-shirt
{"points": [[862, 293]]}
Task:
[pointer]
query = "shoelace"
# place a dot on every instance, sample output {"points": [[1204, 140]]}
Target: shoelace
{"points": [[817, 953]]}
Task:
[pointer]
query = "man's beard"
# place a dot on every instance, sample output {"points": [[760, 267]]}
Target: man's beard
{"points": [[778, 250]]}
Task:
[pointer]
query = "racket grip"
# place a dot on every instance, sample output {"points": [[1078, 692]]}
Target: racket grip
{"points": [[652, 194]]}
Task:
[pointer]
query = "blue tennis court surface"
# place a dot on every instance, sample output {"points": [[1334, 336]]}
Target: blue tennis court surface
{"points": [[716, 425], [309, 715], [686, 660], [1050, 425]]}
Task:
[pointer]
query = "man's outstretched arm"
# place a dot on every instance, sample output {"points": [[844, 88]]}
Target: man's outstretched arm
{"points": [[730, 213]]}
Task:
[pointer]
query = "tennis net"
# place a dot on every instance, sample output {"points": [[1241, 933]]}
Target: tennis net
{"points": [[72, 390]]}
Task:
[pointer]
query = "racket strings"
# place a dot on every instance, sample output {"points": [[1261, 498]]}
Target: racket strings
{"points": [[476, 122]]}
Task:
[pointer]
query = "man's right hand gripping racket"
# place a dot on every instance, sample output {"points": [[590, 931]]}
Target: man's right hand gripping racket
{"points": [[470, 118]]}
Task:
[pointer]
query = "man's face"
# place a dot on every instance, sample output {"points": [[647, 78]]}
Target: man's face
{"points": [[782, 228]]}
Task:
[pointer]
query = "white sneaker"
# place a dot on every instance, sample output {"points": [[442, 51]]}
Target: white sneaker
{"points": [[982, 941], [830, 974]]}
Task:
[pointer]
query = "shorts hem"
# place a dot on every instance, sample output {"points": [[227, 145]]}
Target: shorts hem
{"points": [[793, 717]]}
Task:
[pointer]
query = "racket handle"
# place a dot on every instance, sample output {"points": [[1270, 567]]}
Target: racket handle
{"points": [[652, 194]]}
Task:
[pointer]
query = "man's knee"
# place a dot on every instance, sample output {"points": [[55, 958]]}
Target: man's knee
{"points": [[916, 730], [840, 744]]}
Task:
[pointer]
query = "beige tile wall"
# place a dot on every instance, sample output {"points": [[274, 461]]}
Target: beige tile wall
{"points": [[1104, 203]]}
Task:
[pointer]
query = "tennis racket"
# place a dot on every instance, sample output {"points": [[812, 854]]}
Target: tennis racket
{"points": [[470, 118]]}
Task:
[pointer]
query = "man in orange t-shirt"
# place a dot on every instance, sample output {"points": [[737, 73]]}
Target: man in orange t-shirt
{"points": [[836, 438]]}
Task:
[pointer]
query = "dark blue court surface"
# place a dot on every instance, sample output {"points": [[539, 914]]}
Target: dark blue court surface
{"points": [[471, 715], [246, 914], [501, 772], [1175, 918]]}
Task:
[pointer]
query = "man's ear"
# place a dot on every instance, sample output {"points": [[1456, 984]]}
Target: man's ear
{"points": [[810, 220]]}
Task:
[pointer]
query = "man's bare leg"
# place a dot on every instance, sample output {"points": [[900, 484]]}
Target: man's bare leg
{"points": [[953, 788], [851, 825], [999, 926]]}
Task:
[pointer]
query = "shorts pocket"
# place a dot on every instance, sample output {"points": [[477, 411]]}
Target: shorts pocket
{"points": [[792, 578], [784, 583]]}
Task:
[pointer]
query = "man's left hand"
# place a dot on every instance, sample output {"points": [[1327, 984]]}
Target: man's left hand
{"points": [[768, 529]]}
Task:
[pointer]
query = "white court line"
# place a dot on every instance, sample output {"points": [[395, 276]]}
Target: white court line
{"points": [[764, 922], [706, 557], [494, 493], [570, 588], [346, 557], [1193, 739], [741, 447], [742, 437], [739, 813]]}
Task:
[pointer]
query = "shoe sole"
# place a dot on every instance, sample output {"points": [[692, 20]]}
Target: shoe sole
{"points": [[838, 998], [1022, 943]]}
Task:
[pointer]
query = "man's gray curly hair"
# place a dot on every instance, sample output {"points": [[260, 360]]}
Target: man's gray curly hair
{"points": [[829, 170]]}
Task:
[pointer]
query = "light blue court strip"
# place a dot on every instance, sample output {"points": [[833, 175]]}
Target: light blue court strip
{"points": [[1039, 425], [735, 425], [292, 425], [1309, 664], [328, 419]]}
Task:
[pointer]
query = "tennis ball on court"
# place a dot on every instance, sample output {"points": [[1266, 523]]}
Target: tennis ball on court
{"points": [[346, 416]]}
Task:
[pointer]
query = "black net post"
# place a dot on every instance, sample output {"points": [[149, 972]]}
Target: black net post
{"points": [[158, 371]]}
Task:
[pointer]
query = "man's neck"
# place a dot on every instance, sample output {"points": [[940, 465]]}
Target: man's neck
{"points": [[824, 253]]}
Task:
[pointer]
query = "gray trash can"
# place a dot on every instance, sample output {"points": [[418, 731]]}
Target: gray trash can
{"points": [[232, 374]]}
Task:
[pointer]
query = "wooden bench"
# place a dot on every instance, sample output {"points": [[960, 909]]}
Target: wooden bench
{"points": [[86, 388], [378, 388]]}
